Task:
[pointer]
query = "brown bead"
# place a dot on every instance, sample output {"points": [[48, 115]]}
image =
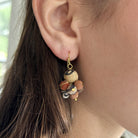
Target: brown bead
{"points": [[78, 84], [64, 85], [74, 96]]}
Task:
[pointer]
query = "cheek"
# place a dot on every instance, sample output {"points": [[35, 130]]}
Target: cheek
{"points": [[118, 80], [128, 23], [112, 66]]}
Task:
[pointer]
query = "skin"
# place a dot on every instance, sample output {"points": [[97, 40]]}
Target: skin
{"points": [[106, 60]]}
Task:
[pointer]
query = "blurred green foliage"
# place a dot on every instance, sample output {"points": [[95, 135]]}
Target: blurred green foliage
{"points": [[3, 44], [5, 10]]}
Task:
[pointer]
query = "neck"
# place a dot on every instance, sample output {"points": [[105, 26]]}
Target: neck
{"points": [[87, 124]]}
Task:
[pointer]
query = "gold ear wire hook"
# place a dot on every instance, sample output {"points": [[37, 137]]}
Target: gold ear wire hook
{"points": [[69, 65]]}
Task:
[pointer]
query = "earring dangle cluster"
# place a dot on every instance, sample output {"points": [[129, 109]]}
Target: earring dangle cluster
{"points": [[71, 86]]}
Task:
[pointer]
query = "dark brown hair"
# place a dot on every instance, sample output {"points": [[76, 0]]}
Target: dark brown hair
{"points": [[31, 104]]}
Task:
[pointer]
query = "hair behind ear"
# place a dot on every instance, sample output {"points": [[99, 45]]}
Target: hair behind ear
{"points": [[31, 104]]}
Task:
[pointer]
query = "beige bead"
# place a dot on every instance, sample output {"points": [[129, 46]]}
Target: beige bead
{"points": [[71, 76]]}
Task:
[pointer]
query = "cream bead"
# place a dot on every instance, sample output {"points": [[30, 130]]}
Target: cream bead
{"points": [[71, 76]]}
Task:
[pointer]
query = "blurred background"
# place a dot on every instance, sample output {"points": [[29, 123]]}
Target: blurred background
{"points": [[11, 19], [5, 12]]}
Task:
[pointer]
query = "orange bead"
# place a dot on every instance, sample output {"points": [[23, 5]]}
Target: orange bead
{"points": [[74, 96], [64, 85], [78, 84]]}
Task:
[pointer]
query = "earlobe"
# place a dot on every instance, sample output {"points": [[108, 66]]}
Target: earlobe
{"points": [[55, 25]]}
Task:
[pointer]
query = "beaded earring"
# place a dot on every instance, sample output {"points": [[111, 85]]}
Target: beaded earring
{"points": [[71, 86]]}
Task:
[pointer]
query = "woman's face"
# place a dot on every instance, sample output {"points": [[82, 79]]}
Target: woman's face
{"points": [[109, 65]]}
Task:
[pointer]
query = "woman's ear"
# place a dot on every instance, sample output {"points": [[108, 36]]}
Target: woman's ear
{"points": [[58, 28]]}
